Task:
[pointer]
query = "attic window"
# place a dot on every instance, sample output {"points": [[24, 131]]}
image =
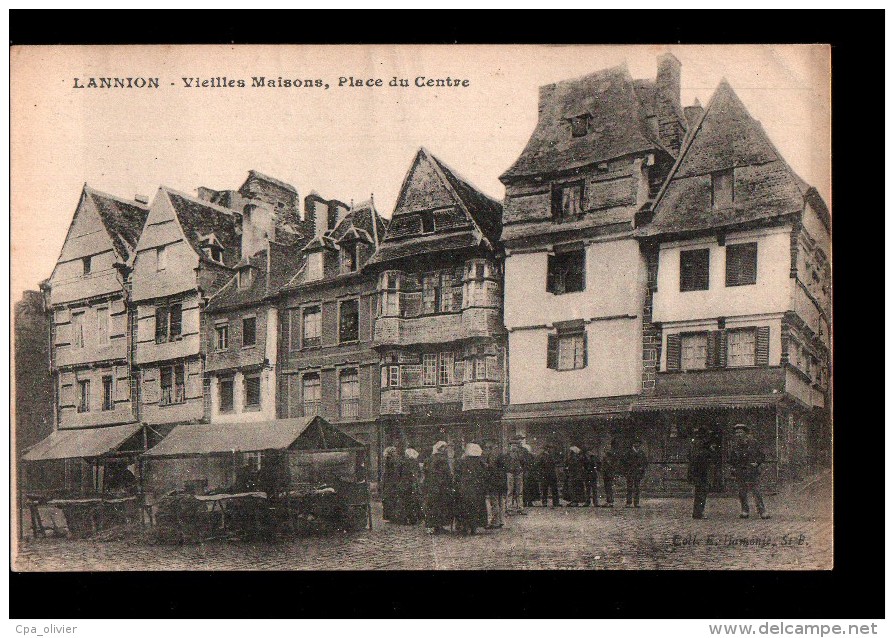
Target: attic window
{"points": [[580, 125], [722, 189], [244, 277], [88, 265], [214, 253], [428, 222], [349, 258]]}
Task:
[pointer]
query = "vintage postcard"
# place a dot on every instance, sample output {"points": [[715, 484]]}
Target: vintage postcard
{"points": [[421, 307]]}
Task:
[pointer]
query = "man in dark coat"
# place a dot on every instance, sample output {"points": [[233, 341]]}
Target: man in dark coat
{"points": [[409, 507], [471, 491], [746, 457], [575, 477], [548, 463], [389, 483], [495, 464], [699, 469], [516, 463], [438, 490], [635, 465], [532, 480], [592, 463], [611, 466]]}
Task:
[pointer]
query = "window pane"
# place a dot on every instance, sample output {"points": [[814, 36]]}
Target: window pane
{"points": [[348, 328], [480, 369], [83, 396], [349, 394], [311, 394], [493, 372], [694, 351], [253, 390], [429, 369], [77, 328], [741, 348], [225, 390], [223, 333], [445, 368], [312, 325], [108, 402], [179, 385], [249, 331], [395, 376], [176, 320]]}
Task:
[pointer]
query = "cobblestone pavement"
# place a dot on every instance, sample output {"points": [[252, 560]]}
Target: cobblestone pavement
{"points": [[660, 535]]}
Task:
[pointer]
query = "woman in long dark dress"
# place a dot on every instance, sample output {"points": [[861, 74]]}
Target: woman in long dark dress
{"points": [[409, 506], [471, 491], [389, 484], [437, 490], [576, 477]]}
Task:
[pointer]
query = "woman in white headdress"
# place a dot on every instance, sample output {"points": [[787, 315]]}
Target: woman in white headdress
{"points": [[437, 490], [389, 483], [471, 491]]}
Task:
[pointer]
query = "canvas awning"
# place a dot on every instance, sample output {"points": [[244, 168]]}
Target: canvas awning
{"points": [[576, 411], [729, 402], [309, 433], [83, 443]]}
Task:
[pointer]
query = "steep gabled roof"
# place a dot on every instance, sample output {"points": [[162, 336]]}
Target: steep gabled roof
{"points": [[726, 137], [200, 219], [124, 219], [617, 109], [464, 216], [361, 222]]}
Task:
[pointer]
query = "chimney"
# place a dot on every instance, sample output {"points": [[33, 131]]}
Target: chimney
{"points": [[257, 227], [667, 102], [693, 114]]}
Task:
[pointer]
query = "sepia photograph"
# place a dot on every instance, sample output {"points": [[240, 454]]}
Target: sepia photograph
{"points": [[421, 307]]}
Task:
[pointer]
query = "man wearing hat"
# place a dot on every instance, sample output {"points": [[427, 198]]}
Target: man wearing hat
{"points": [[746, 457], [699, 470], [634, 469]]}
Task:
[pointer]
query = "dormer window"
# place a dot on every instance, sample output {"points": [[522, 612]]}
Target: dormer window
{"points": [[214, 253], [580, 125], [244, 277], [722, 189], [349, 258], [314, 266], [428, 222]]}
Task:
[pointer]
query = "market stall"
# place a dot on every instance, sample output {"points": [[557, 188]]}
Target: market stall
{"points": [[107, 493], [252, 480]]}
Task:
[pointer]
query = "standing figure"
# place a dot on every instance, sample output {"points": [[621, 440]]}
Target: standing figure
{"points": [[548, 463], [532, 477], [471, 491], [592, 463], [611, 466], [516, 477], [699, 470], [409, 506], [575, 477], [437, 490], [746, 457], [495, 463], [389, 483], [635, 465]]}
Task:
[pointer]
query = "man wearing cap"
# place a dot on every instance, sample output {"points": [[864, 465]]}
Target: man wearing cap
{"points": [[746, 458], [635, 465], [699, 470]]}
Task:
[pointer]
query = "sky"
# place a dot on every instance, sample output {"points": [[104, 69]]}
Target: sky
{"points": [[342, 142]]}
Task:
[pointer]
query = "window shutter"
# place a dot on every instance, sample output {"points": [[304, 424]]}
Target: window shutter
{"points": [[550, 274], [585, 348], [721, 348], [715, 339], [161, 324], [552, 352], [673, 352], [762, 346]]}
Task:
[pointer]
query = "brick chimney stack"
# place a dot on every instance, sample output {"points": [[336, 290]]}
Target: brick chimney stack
{"points": [[669, 109]]}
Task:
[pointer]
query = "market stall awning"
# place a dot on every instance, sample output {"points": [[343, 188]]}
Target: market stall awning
{"points": [[579, 410], [309, 433], [729, 402], [83, 443]]}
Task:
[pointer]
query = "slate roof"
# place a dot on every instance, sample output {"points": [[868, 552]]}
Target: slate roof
{"points": [[431, 184], [266, 178], [124, 219], [360, 219], [272, 268], [727, 137], [617, 107], [199, 218]]}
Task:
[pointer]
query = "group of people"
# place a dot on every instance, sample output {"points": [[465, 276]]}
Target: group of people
{"points": [[745, 457], [477, 487]]}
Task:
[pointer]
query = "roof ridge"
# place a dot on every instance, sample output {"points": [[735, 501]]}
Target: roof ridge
{"points": [[131, 202], [272, 180], [199, 201]]}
